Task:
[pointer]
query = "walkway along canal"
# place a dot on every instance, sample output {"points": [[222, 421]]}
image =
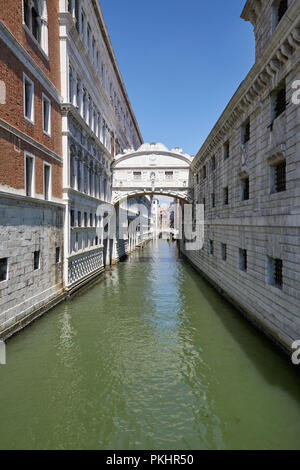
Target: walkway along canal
{"points": [[151, 357]]}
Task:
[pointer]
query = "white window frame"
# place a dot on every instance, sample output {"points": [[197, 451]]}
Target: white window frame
{"points": [[50, 181], [43, 44], [45, 98], [30, 155], [27, 79]]}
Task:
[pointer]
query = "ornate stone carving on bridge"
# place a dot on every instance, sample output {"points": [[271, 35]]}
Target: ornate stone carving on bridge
{"points": [[152, 169]]}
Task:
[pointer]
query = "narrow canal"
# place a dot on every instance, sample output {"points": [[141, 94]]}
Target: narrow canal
{"points": [[149, 358]]}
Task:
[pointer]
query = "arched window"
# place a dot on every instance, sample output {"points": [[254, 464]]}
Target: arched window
{"points": [[36, 20]]}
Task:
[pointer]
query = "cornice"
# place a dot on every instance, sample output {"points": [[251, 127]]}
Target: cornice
{"points": [[106, 37], [68, 108], [281, 47], [25, 138], [8, 38], [127, 156], [83, 61]]}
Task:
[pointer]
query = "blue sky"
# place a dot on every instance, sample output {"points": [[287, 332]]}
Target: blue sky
{"points": [[181, 62]]}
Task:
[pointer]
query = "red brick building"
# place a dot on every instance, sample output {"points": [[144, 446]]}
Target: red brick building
{"points": [[31, 208]]}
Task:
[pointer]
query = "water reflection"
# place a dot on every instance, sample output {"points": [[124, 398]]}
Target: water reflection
{"points": [[150, 357]]}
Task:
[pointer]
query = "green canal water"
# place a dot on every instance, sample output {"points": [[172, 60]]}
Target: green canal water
{"points": [[149, 358]]}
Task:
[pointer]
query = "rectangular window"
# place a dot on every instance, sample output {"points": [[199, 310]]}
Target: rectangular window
{"points": [[245, 137], [278, 178], [85, 219], [79, 219], [28, 91], [242, 259], [91, 220], [213, 200], [274, 272], [137, 175], [57, 255], [281, 9], [225, 196], [47, 182], [226, 150], [211, 247], [278, 101], [213, 164], [3, 269], [46, 115], [204, 172], [36, 260], [169, 175], [224, 251], [245, 189], [29, 175], [72, 218], [204, 202]]}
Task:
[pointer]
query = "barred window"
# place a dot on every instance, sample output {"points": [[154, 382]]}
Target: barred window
{"points": [[3, 269], [213, 163], [225, 196], [245, 189], [274, 272], [280, 101], [57, 255], [36, 260], [226, 150], [224, 251], [137, 175], [278, 177], [246, 132], [211, 247], [243, 259]]}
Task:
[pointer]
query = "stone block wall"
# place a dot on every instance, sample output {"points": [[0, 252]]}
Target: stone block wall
{"points": [[27, 227], [267, 224]]}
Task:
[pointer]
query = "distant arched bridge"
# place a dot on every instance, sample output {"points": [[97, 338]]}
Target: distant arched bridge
{"points": [[152, 169]]}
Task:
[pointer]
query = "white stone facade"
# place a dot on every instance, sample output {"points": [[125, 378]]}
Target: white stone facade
{"points": [[252, 193], [152, 169], [98, 122]]}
